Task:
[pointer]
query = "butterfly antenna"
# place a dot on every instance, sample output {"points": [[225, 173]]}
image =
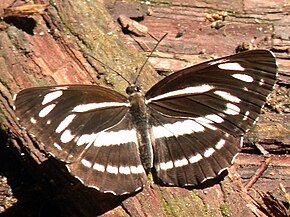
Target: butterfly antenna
{"points": [[106, 66], [150, 55]]}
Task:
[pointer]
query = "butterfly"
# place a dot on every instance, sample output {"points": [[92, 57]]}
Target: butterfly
{"points": [[186, 129]]}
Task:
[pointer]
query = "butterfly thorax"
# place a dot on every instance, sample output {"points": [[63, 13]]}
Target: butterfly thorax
{"points": [[140, 116]]}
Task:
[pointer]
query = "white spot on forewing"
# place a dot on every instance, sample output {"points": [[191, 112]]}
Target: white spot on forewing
{"points": [[234, 158], [112, 169], [33, 120], [66, 136], [166, 165], [241, 141], [195, 158], [245, 89], [189, 90], [137, 189], [205, 122], [177, 129], [232, 109], [227, 96], [93, 106], [221, 170], [220, 144], [99, 167], [108, 138], [95, 187], [86, 163], [51, 96], [124, 170], [207, 178], [243, 77], [262, 82], [69, 170], [209, 152], [246, 115], [137, 169], [115, 138], [215, 118], [46, 110], [86, 139], [231, 66], [57, 146], [255, 121], [65, 123], [82, 181], [181, 162], [14, 97]]}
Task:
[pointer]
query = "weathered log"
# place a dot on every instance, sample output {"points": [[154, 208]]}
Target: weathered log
{"points": [[48, 48]]}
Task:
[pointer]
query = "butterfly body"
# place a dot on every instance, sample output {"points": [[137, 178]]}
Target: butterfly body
{"points": [[187, 128], [140, 118]]}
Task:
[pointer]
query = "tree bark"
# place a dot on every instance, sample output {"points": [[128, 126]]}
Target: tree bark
{"points": [[47, 47]]}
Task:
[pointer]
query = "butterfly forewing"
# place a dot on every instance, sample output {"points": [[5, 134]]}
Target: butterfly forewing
{"points": [[198, 111], [88, 127], [231, 90]]}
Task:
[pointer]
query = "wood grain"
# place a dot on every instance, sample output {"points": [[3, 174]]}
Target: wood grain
{"points": [[48, 49]]}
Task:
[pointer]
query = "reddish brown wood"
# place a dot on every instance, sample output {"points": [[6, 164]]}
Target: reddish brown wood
{"points": [[50, 51]]}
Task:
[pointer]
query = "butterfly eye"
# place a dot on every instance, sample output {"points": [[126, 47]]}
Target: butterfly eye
{"points": [[133, 89]]}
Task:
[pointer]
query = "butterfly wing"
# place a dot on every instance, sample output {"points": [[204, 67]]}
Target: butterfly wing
{"points": [[88, 127], [198, 112], [197, 151]]}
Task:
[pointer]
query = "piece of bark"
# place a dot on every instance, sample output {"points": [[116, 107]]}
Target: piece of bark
{"points": [[25, 10], [52, 53], [132, 26]]}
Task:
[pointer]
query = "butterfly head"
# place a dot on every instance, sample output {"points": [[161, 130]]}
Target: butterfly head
{"points": [[132, 89]]}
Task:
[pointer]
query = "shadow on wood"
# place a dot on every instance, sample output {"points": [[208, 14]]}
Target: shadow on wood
{"points": [[48, 189]]}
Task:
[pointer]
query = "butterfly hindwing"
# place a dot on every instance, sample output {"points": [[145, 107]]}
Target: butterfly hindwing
{"points": [[187, 152], [112, 163], [200, 110]]}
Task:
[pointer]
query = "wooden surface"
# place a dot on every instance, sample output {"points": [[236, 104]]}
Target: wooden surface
{"points": [[47, 47]]}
